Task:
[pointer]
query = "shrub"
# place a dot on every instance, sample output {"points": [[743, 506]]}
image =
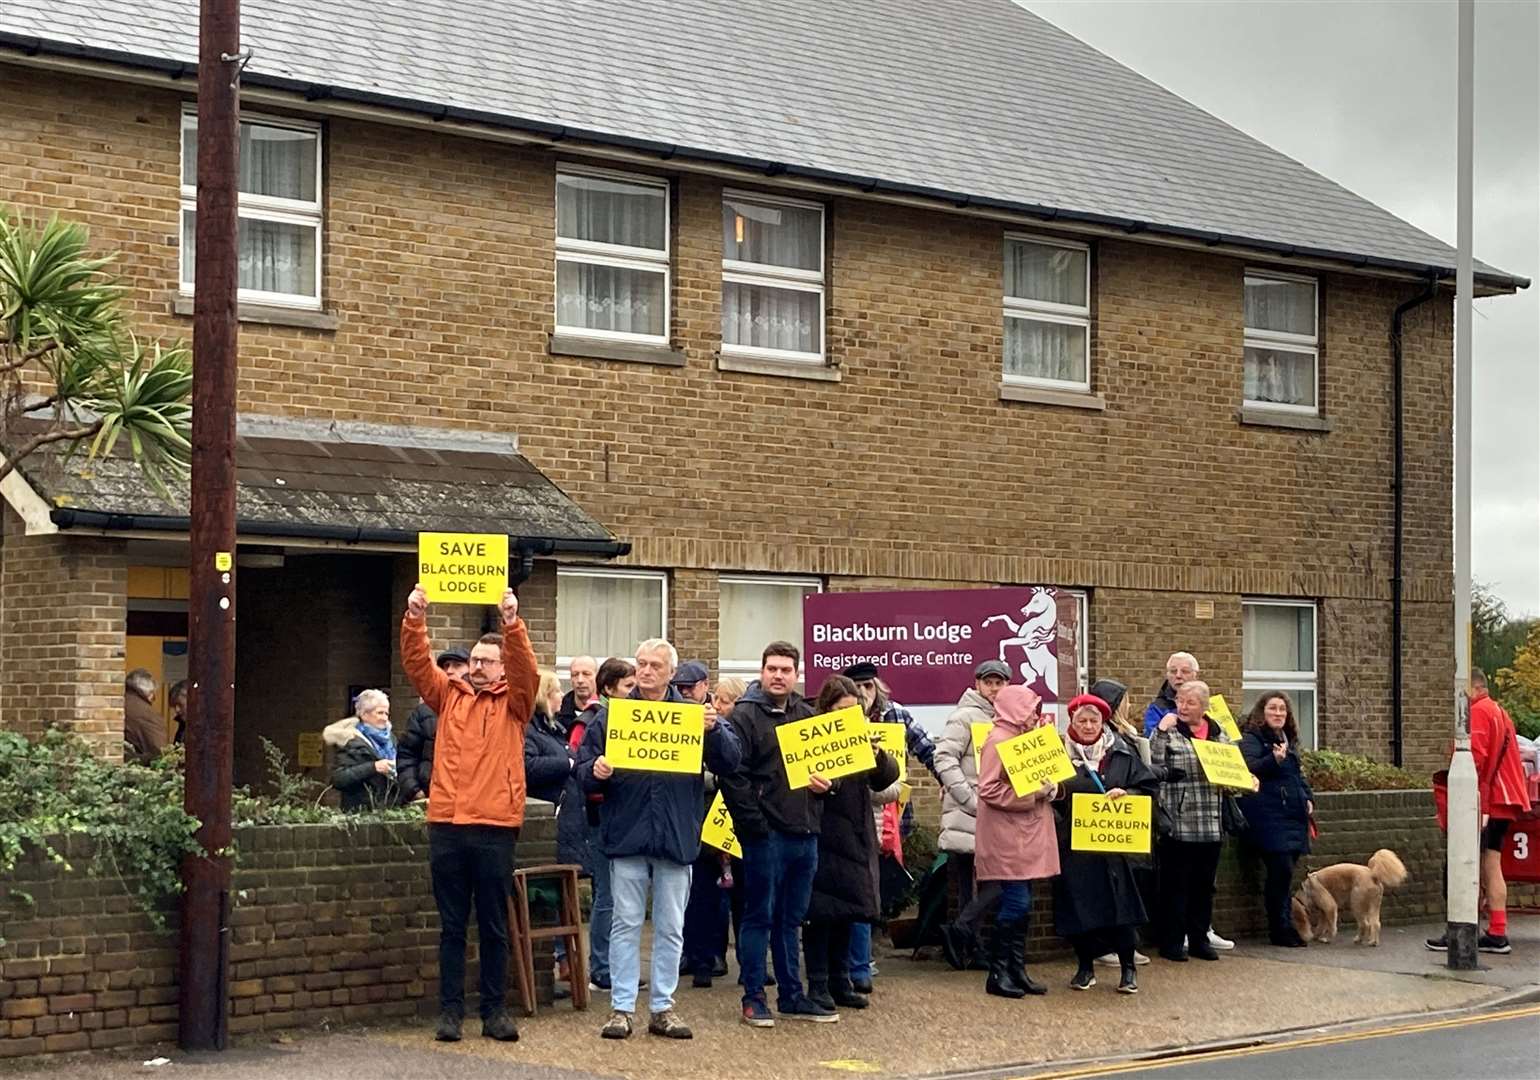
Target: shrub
{"points": [[1328, 770]]}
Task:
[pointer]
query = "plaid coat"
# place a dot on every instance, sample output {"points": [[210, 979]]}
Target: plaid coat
{"points": [[1192, 803]]}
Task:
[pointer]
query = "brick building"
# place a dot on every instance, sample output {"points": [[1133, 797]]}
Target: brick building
{"points": [[877, 305]]}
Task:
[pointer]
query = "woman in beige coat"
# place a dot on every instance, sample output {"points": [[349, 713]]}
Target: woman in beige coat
{"points": [[1014, 843]]}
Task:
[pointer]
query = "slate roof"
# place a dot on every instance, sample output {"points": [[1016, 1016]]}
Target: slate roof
{"points": [[972, 100], [294, 477]]}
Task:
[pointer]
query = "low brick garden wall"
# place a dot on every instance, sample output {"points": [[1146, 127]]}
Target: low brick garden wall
{"points": [[328, 923]]}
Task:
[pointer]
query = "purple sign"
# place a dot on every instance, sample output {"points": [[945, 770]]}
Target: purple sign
{"points": [[927, 643]]}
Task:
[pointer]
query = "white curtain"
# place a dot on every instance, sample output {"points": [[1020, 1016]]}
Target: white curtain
{"points": [[278, 257], [606, 616], [1278, 637], [1045, 350], [1284, 307], [1050, 275], [787, 236], [753, 614], [594, 297], [1280, 376], [611, 212], [278, 162], [765, 317]]}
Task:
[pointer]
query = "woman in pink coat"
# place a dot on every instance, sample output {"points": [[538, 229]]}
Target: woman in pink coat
{"points": [[1014, 844]]}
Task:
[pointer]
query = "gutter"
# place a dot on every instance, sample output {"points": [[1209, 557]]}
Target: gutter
{"points": [[551, 134], [528, 548], [1398, 487]]}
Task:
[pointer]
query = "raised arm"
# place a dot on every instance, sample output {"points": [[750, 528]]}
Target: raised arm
{"points": [[519, 666], [432, 685]]}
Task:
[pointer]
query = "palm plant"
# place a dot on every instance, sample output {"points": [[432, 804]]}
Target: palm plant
{"points": [[70, 369]]}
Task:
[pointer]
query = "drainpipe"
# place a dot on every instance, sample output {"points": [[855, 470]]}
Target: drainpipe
{"points": [[1398, 486]]}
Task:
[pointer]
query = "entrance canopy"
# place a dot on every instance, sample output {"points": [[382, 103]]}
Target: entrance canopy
{"points": [[370, 485]]}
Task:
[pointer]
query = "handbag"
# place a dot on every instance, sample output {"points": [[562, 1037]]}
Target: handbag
{"points": [[1232, 819]]}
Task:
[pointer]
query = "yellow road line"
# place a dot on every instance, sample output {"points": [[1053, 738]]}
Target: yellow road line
{"points": [[1273, 1048]]}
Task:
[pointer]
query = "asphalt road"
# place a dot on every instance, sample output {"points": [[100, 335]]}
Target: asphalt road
{"points": [[1501, 1046]]}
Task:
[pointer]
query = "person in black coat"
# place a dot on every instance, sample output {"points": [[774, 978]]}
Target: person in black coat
{"points": [[414, 753], [1279, 813], [364, 755], [845, 885], [1096, 902], [547, 764]]}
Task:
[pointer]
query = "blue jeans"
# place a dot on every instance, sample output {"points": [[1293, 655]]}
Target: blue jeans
{"points": [[629, 878], [1015, 902], [861, 952], [777, 885], [599, 918]]}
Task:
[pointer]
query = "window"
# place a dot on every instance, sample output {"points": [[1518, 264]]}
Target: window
{"points": [[1047, 313], [1082, 640], [604, 613], [754, 612], [1278, 650], [772, 278], [280, 210], [1282, 347], [612, 269]]}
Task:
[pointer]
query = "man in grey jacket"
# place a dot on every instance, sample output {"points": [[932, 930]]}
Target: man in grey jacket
{"points": [[957, 767]]}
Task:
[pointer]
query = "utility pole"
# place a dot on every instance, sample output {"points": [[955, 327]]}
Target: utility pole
{"points": [[1464, 800], [204, 956]]}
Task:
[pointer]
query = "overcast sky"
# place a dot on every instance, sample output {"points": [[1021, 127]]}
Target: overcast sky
{"points": [[1363, 91]]}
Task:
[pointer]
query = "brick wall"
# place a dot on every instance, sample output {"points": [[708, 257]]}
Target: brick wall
{"points": [[911, 470], [328, 925]]}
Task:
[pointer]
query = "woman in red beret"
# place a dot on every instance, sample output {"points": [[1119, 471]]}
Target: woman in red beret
{"points": [[1096, 902]]}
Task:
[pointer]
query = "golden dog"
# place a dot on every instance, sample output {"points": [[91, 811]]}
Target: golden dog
{"points": [[1315, 906]]}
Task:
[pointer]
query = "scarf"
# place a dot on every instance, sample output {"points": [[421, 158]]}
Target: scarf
{"points": [[379, 739], [1089, 754]]}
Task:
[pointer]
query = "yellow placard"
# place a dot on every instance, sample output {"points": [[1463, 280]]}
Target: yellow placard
{"points": [[1219, 712], [893, 739], [1036, 756], [833, 745], [223, 561], [980, 733], [1121, 827], [717, 830], [309, 756], [462, 568], [655, 736], [1223, 764]]}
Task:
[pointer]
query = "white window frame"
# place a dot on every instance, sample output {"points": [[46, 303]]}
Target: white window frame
{"points": [[257, 208], [1082, 638], [564, 663], [623, 256], [1044, 311], [1282, 342], [749, 668], [782, 277], [1288, 681]]}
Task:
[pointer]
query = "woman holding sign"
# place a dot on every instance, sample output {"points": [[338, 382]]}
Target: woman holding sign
{"points": [[1279, 813], [1096, 902], [845, 885], [1014, 842], [1191, 825]]}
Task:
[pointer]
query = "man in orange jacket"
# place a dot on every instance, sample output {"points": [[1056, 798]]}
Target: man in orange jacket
{"points": [[477, 803]]}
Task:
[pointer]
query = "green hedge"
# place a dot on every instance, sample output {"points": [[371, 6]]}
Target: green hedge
{"points": [[1327, 770]]}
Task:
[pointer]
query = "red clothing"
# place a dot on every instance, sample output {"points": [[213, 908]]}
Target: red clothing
{"points": [[1506, 794]]}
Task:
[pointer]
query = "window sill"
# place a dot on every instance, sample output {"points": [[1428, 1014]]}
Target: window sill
{"points": [[1272, 418], [629, 352], [270, 315], [791, 369], [1042, 395]]}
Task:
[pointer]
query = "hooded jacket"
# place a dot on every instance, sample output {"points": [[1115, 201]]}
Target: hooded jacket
{"points": [[757, 794], [414, 752], [957, 769], [845, 887], [1015, 838], [1097, 890], [478, 769], [1155, 711], [361, 785], [547, 765], [657, 815], [1278, 813]]}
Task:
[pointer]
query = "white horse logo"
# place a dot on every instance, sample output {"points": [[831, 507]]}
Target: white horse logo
{"points": [[1033, 633]]}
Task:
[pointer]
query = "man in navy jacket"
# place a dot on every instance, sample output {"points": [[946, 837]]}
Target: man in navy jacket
{"points": [[649, 828]]}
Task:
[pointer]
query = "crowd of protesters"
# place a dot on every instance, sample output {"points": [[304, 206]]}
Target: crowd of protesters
{"points": [[492, 728]]}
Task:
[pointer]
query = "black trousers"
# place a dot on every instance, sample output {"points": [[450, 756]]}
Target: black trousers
{"points": [[1186, 891], [472, 862], [1275, 892], [1116, 939], [706, 914], [973, 904], [826, 950]]}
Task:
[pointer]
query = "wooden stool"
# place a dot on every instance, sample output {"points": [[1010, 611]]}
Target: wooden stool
{"points": [[570, 929]]}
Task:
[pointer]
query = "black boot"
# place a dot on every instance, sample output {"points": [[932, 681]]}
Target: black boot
{"points": [[1128, 984], [818, 993], [845, 995], [957, 945], [1018, 947], [1002, 978], [1085, 977]]}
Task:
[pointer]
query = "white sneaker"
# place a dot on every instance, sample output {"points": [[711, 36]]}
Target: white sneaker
{"points": [[1218, 942], [1111, 959]]}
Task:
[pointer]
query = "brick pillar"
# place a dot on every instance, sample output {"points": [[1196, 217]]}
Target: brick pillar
{"points": [[448, 625], [537, 606], [694, 609], [64, 601]]}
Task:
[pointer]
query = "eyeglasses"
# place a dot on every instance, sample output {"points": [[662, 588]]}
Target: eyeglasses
{"points": [[482, 661]]}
